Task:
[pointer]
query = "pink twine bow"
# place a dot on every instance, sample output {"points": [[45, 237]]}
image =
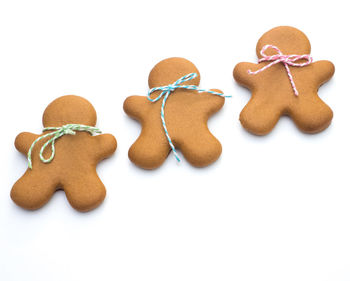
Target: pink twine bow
{"points": [[285, 59]]}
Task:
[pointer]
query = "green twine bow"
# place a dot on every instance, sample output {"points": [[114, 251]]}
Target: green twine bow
{"points": [[68, 129]]}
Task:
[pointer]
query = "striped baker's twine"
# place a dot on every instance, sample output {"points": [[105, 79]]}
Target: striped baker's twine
{"points": [[166, 91], [285, 59], [68, 129]]}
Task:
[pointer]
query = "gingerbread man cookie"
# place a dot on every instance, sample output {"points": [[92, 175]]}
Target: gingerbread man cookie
{"points": [[64, 157], [285, 82], [174, 115]]}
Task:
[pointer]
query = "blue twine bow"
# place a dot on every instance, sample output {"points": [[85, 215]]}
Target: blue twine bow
{"points": [[167, 90]]}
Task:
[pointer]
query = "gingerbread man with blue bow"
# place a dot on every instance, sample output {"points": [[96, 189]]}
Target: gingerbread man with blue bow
{"points": [[174, 115]]}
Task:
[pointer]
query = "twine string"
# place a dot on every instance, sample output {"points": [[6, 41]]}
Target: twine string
{"points": [[287, 60], [69, 129], [165, 93]]}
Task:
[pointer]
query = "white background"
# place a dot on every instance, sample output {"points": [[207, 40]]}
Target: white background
{"points": [[274, 208]]}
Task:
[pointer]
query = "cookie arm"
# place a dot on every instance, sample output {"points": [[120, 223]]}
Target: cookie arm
{"points": [[135, 106], [324, 70], [105, 144], [241, 75], [212, 103], [24, 140]]}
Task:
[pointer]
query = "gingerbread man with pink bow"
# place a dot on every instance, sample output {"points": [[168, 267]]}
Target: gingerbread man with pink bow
{"points": [[284, 82]]}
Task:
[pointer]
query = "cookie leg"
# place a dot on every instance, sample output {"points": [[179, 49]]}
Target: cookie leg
{"points": [[260, 117], [312, 115], [200, 148], [33, 190], [150, 150], [85, 191]]}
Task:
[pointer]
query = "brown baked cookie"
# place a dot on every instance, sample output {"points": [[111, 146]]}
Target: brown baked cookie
{"points": [[272, 89], [73, 167], [186, 114]]}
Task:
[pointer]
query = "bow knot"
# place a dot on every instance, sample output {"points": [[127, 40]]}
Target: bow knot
{"points": [[287, 60], [68, 129], [166, 91], [171, 87], [284, 58]]}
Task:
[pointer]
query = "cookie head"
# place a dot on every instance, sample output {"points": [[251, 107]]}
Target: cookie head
{"points": [[289, 40], [69, 110], [169, 70]]}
